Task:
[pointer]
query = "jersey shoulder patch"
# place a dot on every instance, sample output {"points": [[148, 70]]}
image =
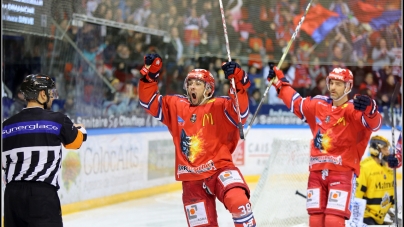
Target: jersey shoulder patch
{"points": [[224, 97], [322, 97]]}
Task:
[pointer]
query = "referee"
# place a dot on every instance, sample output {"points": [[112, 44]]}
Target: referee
{"points": [[31, 156]]}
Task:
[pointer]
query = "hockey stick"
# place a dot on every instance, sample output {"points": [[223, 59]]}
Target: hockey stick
{"points": [[298, 193], [233, 84], [279, 65], [392, 100]]}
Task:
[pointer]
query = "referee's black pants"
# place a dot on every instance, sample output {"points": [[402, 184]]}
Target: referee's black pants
{"points": [[31, 204]]}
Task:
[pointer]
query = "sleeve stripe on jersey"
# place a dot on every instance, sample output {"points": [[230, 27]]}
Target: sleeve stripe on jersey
{"points": [[230, 119], [374, 108], [76, 144], [367, 126], [244, 114], [295, 96], [301, 110], [159, 115], [147, 105]]}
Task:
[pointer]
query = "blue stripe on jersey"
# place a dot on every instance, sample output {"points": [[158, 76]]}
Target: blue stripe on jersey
{"points": [[31, 127]]}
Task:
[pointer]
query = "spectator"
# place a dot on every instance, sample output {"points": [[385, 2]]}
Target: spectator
{"points": [[302, 81], [140, 15], [320, 88], [255, 78], [255, 97], [369, 84], [340, 7], [123, 63], [174, 49], [316, 70], [387, 90], [18, 104], [381, 55], [341, 51]]}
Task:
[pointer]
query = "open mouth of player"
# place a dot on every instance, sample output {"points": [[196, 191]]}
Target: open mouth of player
{"points": [[193, 95]]}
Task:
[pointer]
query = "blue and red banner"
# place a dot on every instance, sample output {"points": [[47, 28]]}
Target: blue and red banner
{"points": [[376, 17], [319, 22]]}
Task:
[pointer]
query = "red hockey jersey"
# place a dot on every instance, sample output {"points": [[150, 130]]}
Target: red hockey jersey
{"points": [[204, 136], [340, 134]]}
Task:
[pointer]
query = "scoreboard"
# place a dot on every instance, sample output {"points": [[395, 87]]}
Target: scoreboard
{"points": [[27, 16]]}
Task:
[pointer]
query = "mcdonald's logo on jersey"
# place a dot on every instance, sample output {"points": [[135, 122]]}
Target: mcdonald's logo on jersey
{"points": [[208, 118]]}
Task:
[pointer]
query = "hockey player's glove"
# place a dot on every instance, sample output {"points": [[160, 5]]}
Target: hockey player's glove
{"points": [[152, 67], [275, 72], [365, 104], [232, 70], [392, 161]]}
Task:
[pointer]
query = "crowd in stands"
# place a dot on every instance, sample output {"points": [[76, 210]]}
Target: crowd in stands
{"points": [[258, 32]]}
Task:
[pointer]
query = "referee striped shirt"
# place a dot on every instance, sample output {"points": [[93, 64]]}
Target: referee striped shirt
{"points": [[32, 145]]}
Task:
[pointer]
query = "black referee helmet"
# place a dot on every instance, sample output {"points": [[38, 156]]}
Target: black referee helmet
{"points": [[34, 83]]}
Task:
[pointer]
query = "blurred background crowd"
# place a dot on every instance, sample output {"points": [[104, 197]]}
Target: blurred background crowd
{"points": [[96, 64]]}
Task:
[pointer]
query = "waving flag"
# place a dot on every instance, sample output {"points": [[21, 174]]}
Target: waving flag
{"points": [[319, 22], [376, 17]]}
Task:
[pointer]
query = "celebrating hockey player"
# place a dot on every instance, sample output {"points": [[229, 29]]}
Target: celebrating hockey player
{"points": [[375, 182], [32, 153], [341, 130], [204, 131]]}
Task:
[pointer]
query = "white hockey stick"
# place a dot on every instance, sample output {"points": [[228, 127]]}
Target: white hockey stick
{"points": [[279, 65], [233, 84]]}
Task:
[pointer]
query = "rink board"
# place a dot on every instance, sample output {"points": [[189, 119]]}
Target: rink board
{"points": [[116, 165]]}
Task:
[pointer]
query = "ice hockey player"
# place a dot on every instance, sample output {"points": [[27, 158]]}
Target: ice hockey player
{"points": [[205, 134], [341, 130], [375, 184]]}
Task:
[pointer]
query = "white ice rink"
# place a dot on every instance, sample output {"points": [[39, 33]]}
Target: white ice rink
{"points": [[162, 210]]}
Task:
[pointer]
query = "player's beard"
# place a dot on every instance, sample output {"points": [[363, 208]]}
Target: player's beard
{"points": [[336, 95]]}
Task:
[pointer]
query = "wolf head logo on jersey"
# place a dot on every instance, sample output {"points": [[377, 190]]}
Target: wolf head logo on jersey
{"points": [[192, 146], [322, 141], [317, 140], [185, 144]]}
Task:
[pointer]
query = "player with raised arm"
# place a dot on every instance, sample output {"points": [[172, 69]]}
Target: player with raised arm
{"points": [[205, 134], [32, 154], [341, 130]]}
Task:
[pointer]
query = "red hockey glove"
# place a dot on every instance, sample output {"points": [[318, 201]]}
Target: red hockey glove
{"points": [[274, 71], [365, 104], [152, 67], [233, 70]]}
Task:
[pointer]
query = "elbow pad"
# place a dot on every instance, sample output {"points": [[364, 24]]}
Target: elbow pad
{"points": [[83, 130]]}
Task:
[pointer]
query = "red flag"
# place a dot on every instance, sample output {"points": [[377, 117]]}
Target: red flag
{"points": [[365, 12]]}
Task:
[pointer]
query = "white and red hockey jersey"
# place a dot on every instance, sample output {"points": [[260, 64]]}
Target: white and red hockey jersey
{"points": [[204, 136], [340, 134]]}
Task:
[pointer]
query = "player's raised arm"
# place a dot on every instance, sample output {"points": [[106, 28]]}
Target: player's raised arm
{"points": [[370, 117], [149, 96], [233, 70]]}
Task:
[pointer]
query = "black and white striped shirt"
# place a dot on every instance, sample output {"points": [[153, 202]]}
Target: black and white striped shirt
{"points": [[32, 145]]}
